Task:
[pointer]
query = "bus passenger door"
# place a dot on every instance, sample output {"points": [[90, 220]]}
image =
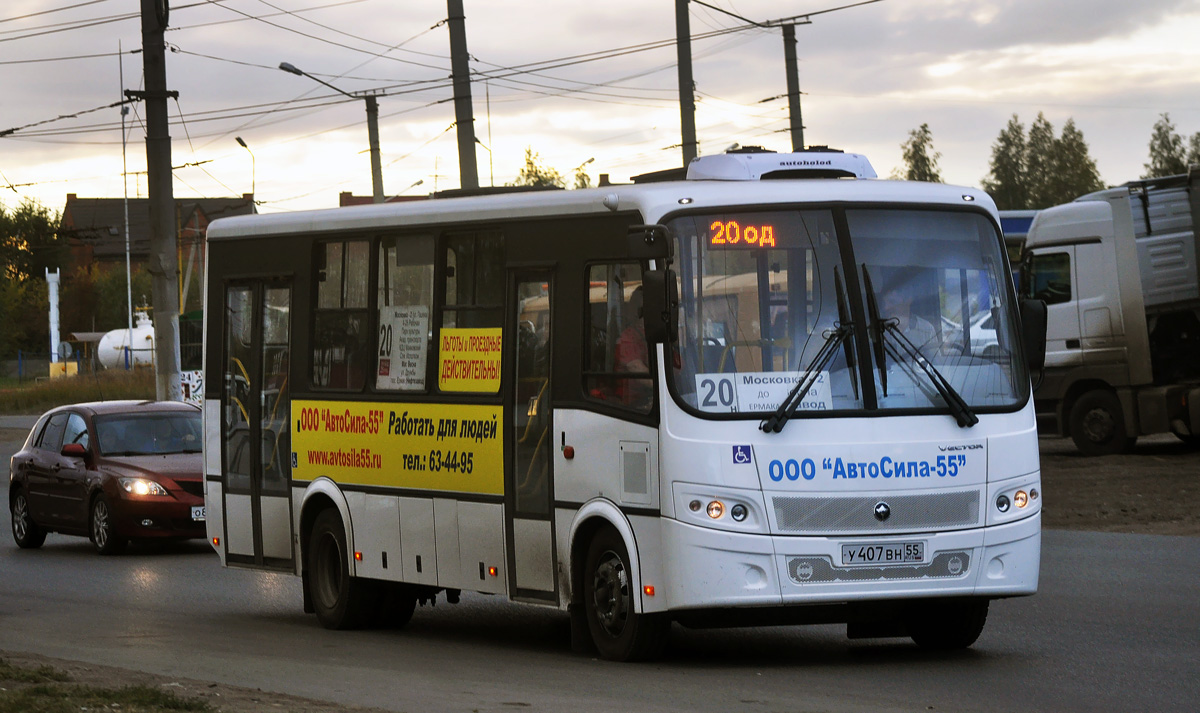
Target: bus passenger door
{"points": [[529, 486], [255, 429]]}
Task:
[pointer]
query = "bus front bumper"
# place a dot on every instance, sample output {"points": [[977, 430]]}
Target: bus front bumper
{"points": [[713, 568]]}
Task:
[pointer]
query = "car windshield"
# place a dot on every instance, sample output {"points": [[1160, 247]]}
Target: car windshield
{"points": [[149, 433], [763, 293]]}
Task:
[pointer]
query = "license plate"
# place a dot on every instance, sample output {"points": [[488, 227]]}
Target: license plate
{"points": [[878, 554], [198, 513]]}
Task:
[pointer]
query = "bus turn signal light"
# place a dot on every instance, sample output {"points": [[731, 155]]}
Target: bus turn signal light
{"points": [[649, 590], [492, 571], [358, 557]]}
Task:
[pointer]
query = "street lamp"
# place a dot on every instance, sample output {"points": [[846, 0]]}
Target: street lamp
{"points": [[372, 125], [253, 170]]}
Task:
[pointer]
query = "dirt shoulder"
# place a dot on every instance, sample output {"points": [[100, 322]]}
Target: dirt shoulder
{"points": [[219, 697], [1155, 490]]}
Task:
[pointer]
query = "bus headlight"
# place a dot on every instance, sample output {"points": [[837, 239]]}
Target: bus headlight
{"points": [[716, 509], [738, 512], [1002, 503]]}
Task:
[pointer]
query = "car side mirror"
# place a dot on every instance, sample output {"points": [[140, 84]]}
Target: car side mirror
{"points": [[660, 306], [1033, 328], [74, 450]]}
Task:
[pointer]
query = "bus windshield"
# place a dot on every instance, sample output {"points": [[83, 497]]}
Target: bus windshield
{"points": [[919, 318]]}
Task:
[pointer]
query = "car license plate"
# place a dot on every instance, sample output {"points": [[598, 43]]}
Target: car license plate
{"points": [[878, 553], [198, 513]]}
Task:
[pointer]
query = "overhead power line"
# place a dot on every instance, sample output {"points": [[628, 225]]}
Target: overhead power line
{"points": [[51, 11]]}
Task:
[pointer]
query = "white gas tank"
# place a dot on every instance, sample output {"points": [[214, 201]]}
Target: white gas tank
{"points": [[112, 347]]}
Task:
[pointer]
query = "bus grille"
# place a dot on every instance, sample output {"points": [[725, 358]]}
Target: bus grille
{"points": [[856, 514]]}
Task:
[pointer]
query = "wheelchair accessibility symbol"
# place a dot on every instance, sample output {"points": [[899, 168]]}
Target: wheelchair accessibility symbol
{"points": [[741, 454]]}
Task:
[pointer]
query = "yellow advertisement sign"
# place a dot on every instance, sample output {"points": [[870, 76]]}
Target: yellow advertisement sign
{"points": [[469, 360], [450, 447]]}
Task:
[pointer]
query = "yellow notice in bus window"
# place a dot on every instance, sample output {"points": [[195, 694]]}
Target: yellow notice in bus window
{"points": [[469, 360], [447, 447]]}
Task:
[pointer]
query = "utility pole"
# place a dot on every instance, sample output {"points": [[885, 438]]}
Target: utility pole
{"points": [[793, 86], [373, 138], [463, 113], [687, 86], [164, 252]]}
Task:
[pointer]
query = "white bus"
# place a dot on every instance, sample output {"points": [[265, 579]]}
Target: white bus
{"points": [[747, 397]]}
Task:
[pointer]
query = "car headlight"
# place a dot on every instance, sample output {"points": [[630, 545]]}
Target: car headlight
{"points": [[139, 486]]}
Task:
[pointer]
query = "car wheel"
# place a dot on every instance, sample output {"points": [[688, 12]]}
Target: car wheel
{"points": [[25, 531], [1097, 424], [103, 530], [619, 632], [340, 601], [948, 625]]}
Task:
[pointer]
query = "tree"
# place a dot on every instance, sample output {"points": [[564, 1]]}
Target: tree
{"points": [[1167, 156], [536, 174], [920, 160], [1075, 172], [582, 179], [1039, 163], [1193, 154], [1006, 181], [29, 241]]}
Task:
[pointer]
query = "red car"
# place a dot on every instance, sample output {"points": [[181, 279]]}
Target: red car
{"points": [[111, 471]]}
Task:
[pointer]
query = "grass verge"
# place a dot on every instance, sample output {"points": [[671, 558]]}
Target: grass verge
{"points": [[37, 397], [46, 690]]}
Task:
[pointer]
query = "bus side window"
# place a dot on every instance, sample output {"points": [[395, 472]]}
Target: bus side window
{"points": [[405, 302], [617, 365], [474, 280], [340, 325]]}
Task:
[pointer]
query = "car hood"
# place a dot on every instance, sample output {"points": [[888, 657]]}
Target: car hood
{"points": [[177, 466]]}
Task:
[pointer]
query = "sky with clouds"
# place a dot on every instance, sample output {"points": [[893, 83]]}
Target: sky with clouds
{"points": [[573, 81]]}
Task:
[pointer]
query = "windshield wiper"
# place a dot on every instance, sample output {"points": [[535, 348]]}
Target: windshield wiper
{"points": [[834, 338], [876, 328], [900, 347]]}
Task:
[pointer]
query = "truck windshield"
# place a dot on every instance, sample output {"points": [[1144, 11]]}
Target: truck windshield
{"points": [[762, 293]]}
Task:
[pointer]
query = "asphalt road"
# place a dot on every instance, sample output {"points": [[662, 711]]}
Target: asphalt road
{"points": [[1115, 626]]}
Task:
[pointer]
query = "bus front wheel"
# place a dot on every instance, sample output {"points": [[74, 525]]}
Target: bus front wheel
{"points": [[619, 632], [948, 625], [340, 600]]}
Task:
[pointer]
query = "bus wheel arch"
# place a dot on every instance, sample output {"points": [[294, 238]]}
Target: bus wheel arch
{"points": [[321, 495], [339, 599], [605, 594]]}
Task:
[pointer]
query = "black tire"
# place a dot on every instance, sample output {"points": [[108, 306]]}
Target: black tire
{"points": [[1192, 441], [620, 634], [340, 601], [103, 531], [948, 625], [26, 532], [1097, 425], [397, 602]]}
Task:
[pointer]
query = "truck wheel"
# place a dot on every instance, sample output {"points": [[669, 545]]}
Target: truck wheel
{"points": [[948, 625], [1097, 424], [620, 633], [340, 601]]}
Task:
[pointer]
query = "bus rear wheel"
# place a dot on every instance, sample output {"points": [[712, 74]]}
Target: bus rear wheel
{"points": [[619, 632], [947, 625], [340, 600]]}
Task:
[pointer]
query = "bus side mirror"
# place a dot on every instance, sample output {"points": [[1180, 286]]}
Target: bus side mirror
{"points": [[649, 242], [1033, 328], [660, 306]]}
